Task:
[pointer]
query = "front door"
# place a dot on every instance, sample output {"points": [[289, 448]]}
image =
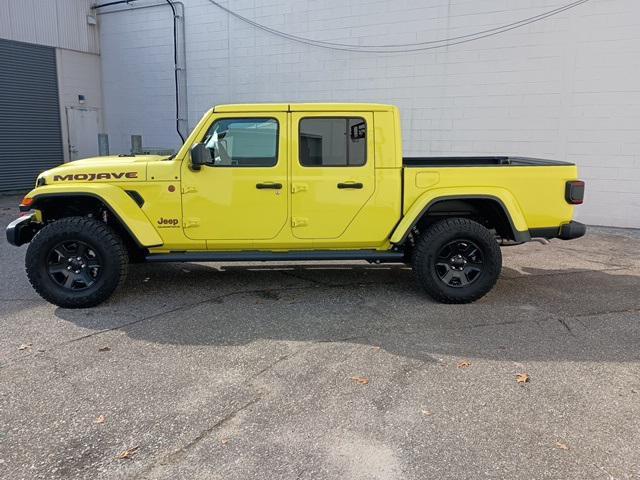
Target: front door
{"points": [[242, 193], [333, 174]]}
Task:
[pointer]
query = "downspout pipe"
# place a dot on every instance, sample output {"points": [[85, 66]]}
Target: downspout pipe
{"points": [[176, 67]]}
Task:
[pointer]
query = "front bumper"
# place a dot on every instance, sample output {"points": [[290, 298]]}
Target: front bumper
{"points": [[22, 230]]}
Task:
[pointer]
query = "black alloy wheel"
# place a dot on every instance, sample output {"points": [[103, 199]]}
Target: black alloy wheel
{"points": [[74, 265], [459, 263]]}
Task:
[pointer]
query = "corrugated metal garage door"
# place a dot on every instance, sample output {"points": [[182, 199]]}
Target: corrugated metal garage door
{"points": [[30, 135]]}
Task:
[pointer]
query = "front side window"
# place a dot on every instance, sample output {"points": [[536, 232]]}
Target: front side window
{"points": [[243, 142], [333, 142]]}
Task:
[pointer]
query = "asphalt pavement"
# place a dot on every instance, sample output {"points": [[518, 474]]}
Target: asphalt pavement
{"points": [[328, 371]]}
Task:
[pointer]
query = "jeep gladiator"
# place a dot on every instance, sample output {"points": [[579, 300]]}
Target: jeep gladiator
{"points": [[277, 182]]}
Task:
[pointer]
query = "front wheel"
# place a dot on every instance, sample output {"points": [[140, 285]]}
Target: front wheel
{"points": [[76, 262], [457, 260]]}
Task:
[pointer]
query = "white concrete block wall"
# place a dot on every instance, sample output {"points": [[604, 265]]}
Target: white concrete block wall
{"points": [[567, 87], [138, 78]]}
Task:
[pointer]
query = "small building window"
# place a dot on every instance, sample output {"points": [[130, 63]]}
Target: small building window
{"points": [[333, 142]]}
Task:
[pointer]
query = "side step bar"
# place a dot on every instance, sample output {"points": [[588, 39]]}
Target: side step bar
{"points": [[372, 256]]}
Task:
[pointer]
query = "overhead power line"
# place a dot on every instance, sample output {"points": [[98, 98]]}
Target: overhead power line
{"points": [[403, 47]]}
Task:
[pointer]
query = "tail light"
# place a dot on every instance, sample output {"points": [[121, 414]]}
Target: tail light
{"points": [[574, 192]]}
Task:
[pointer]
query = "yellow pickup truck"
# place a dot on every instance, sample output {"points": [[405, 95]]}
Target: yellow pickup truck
{"points": [[276, 182]]}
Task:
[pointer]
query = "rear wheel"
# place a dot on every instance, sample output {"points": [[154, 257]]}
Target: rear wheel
{"points": [[457, 260], [76, 262]]}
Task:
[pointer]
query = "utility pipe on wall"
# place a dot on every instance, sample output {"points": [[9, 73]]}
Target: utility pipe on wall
{"points": [[179, 56]]}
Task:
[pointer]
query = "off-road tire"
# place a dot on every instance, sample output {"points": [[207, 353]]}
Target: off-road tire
{"points": [[443, 233], [100, 237]]}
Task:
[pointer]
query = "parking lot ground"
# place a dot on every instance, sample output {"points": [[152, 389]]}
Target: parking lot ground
{"points": [[328, 371]]}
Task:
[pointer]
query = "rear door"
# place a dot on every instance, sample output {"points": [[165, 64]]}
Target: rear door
{"points": [[332, 171]]}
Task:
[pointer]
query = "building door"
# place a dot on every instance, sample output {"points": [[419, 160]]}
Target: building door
{"points": [[83, 126], [242, 193], [30, 131], [332, 171]]}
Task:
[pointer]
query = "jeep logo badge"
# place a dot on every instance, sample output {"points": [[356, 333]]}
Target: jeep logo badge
{"points": [[168, 222]]}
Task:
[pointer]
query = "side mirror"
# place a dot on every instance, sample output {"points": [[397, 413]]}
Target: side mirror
{"points": [[200, 155]]}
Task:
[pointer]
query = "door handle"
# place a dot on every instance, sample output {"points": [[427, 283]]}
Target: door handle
{"points": [[357, 185], [268, 185]]}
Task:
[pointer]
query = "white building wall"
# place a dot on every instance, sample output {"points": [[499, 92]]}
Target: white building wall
{"points": [[138, 76], [567, 87]]}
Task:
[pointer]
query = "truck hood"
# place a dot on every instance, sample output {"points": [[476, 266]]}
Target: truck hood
{"points": [[112, 169]]}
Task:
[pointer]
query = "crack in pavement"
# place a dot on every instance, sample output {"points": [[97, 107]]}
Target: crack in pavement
{"points": [[579, 255], [278, 361], [553, 274], [215, 299], [314, 284], [300, 277], [566, 326], [22, 300], [179, 454], [605, 312], [333, 285]]}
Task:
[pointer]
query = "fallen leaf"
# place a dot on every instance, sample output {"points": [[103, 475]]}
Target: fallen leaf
{"points": [[428, 413], [224, 441], [100, 419], [360, 380], [464, 364], [562, 446], [522, 377], [104, 349], [128, 453], [25, 346]]}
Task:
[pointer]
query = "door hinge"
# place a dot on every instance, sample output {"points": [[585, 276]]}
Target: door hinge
{"points": [[189, 189], [299, 187], [299, 222], [191, 222]]}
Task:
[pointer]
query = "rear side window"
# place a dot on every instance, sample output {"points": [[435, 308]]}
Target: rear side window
{"points": [[243, 142], [333, 142]]}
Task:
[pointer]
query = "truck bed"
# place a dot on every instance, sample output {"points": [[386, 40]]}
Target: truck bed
{"points": [[478, 162], [533, 187]]}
